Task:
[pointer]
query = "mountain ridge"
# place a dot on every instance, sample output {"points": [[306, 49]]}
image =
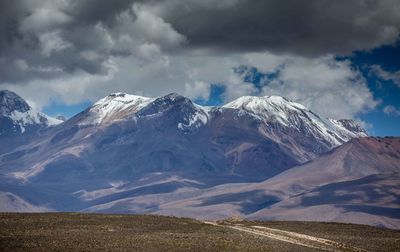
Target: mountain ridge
{"points": [[223, 139], [108, 107]]}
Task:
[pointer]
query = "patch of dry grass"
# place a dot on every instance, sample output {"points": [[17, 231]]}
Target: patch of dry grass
{"points": [[94, 232]]}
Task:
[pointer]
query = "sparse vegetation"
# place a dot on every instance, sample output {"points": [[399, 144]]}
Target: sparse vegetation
{"points": [[77, 231]]}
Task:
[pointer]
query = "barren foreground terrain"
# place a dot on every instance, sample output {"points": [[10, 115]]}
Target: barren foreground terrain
{"points": [[76, 231]]}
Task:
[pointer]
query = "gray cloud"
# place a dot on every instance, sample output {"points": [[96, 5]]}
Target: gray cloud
{"points": [[61, 34], [88, 12], [308, 28]]}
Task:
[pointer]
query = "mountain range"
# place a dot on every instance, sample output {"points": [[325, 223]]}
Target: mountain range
{"points": [[257, 157]]}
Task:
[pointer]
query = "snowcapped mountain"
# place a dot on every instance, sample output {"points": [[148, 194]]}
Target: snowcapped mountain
{"points": [[251, 138], [127, 146], [120, 106], [276, 109], [16, 116], [268, 110]]}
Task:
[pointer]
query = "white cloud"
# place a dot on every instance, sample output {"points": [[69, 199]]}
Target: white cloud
{"points": [[391, 110], [386, 75], [197, 90], [154, 29]]}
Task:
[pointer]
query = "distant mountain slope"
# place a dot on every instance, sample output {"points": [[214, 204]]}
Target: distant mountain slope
{"points": [[12, 203], [358, 182], [372, 200], [356, 159]]}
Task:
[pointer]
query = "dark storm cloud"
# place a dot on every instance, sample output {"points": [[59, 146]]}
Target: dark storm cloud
{"points": [[94, 11], [309, 27], [44, 39], [10, 13]]}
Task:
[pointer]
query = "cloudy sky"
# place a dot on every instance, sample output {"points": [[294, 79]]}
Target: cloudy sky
{"points": [[339, 58]]}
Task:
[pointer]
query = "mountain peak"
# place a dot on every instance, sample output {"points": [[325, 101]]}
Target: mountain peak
{"points": [[174, 97], [274, 108], [246, 101], [17, 116], [10, 102], [257, 103], [173, 101], [117, 94], [115, 106]]}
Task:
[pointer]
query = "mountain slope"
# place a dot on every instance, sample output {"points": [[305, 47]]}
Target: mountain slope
{"points": [[357, 182]]}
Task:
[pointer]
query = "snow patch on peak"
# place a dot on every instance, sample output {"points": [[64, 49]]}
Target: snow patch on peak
{"points": [[270, 108], [32, 117], [255, 103], [114, 107], [21, 114], [119, 97]]}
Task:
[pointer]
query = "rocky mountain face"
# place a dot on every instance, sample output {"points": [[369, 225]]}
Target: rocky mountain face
{"points": [[167, 155], [18, 118]]}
